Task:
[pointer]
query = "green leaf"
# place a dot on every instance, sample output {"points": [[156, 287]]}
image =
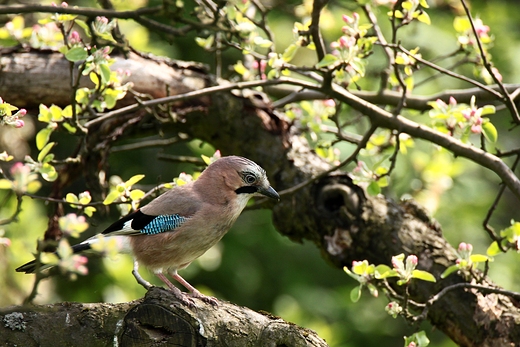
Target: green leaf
{"points": [[327, 60], [5, 184], [56, 113], [136, 194], [479, 258], [105, 73], [424, 18], [289, 53], [83, 26], [373, 189], [133, 180], [89, 210], [461, 24], [490, 132], [71, 198], [48, 172], [206, 159], [449, 271], [488, 109], [240, 68], [70, 128], [355, 294], [42, 138], [111, 197], [384, 271], [493, 249], [44, 115], [45, 151], [76, 54], [423, 275]]}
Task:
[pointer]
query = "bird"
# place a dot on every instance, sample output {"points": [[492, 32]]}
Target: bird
{"points": [[180, 225]]}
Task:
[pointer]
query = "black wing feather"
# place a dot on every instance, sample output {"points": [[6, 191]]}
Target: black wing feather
{"points": [[138, 218]]}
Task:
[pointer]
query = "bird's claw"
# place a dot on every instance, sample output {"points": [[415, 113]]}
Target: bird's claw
{"points": [[207, 299]]}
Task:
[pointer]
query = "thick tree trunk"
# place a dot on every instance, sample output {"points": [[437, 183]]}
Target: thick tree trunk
{"points": [[332, 212]]}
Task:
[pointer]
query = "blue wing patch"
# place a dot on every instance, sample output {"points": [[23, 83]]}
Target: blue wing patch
{"points": [[163, 223]]}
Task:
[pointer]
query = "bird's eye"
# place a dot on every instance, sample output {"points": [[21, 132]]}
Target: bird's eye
{"points": [[249, 178]]}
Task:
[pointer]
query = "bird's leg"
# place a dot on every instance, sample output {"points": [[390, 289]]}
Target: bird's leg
{"points": [[176, 291], [194, 292], [138, 277]]}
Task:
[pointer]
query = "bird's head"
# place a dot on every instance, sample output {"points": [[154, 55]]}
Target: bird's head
{"points": [[243, 176]]}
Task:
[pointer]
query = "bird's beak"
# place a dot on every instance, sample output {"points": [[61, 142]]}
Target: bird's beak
{"points": [[269, 192]]}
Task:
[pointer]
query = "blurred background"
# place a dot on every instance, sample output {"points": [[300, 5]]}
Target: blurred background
{"points": [[254, 266]]}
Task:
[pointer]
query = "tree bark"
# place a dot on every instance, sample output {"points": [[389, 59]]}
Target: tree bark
{"points": [[337, 216], [157, 319]]}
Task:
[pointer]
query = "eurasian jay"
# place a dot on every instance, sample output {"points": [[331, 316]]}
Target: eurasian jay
{"points": [[176, 228]]}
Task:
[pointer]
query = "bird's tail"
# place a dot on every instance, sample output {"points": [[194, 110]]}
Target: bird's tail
{"points": [[31, 266]]}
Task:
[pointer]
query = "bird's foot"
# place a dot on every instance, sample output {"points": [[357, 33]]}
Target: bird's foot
{"points": [[208, 299]]}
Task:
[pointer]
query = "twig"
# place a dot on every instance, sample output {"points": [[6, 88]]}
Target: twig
{"points": [[16, 212], [362, 144], [314, 28], [482, 288], [506, 97]]}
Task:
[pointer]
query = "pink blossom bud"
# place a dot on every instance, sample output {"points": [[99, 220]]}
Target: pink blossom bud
{"points": [[102, 20], [412, 344], [476, 128], [481, 29], [19, 123], [497, 74], [347, 41], [334, 45], [440, 103], [74, 37], [462, 246], [54, 4], [396, 263], [453, 102], [19, 168], [329, 103], [22, 112], [64, 4], [347, 19], [412, 259], [356, 263]]}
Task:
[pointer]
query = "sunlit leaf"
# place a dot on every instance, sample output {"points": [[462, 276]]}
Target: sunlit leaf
{"points": [[133, 180], [136, 194], [479, 258], [5, 184], [424, 18], [45, 151], [490, 132], [42, 138], [111, 197], [289, 53], [327, 60], [423, 275], [449, 271], [76, 54]]}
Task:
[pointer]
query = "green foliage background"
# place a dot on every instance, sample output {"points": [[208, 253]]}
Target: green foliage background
{"points": [[256, 267]]}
